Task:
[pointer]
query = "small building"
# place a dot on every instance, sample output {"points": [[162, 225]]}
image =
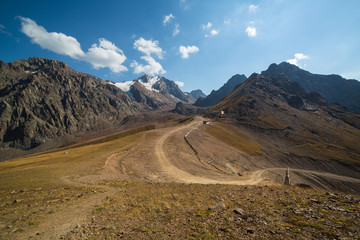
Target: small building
{"points": [[206, 122]]}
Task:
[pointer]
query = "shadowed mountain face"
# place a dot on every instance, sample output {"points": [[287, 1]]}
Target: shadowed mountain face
{"points": [[215, 96], [42, 99], [196, 94], [283, 108], [333, 88]]}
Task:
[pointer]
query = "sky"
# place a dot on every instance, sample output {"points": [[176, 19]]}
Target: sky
{"points": [[199, 44]]}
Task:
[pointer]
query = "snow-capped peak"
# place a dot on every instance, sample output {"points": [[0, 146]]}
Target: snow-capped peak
{"points": [[148, 83], [145, 80]]}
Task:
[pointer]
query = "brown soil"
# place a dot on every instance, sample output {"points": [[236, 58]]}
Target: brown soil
{"points": [[134, 182]]}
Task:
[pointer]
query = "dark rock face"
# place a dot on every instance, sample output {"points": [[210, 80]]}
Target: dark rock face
{"points": [[215, 96], [333, 88], [196, 94], [42, 99], [188, 109]]}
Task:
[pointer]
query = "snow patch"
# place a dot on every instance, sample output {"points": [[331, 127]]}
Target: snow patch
{"points": [[36, 71], [148, 85], [175, 97], [125, 86]]}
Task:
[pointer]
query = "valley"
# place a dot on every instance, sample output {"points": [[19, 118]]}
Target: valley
{"points": [[85, 181], [94, 159]]}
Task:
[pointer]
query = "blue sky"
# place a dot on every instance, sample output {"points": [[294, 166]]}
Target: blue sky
{"points": [[195, 42]]}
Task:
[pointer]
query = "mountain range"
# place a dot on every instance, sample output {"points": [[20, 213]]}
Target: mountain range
{"points": [[333, 87], [43, 99], [283, 108], [155, 92]]}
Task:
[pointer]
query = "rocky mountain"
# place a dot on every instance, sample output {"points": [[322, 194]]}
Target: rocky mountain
{"points": [[283, 108], [43, 99], [155, 92], [333, 88], [216, 95], [196, 94]]}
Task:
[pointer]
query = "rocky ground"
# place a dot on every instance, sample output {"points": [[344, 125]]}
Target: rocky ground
{"points": [[179, 211], [178, 180]]}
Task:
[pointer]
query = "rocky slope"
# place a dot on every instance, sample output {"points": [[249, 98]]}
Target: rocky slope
{"points": [[43, 99], [282, 108], [216, 95], [155, 92], [333, 87]]}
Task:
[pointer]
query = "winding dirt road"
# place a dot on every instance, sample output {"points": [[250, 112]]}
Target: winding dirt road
{"points": [[180, 175]]}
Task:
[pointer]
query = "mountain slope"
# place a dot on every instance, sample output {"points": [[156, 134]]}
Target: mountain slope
{"points": [[154, 92], [42, 99], [283, 108], [215, 96], [333, 88]]}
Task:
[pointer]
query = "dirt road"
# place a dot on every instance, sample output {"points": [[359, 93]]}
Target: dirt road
{"points": [[178, 174]]}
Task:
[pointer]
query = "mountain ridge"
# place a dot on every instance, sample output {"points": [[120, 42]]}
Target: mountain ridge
{"points": [[216, 95], [332, 87], [42, 99]]}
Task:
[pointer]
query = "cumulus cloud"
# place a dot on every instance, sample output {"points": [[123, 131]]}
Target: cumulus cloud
{"points": [[149, 47], [152, 68], [185, 51], [176, 30], [53, 41], [106, 54], [251, 31], [253, 8], [102, 55], [168, 18], [297, 58], [180, 84]]}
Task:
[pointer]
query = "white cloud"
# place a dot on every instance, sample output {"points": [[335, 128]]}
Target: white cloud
{"points": [[253, 8], [103, 55], [106, 55], [251, 31], [214, 32], [168, 18], [185, 51], [180, 84], [148, 47], [176, 30], [207, 26], [297, 57], [2, 30], [53, 41], [152, 68], [184, 4]]}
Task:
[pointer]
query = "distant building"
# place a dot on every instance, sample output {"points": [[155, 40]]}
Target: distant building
{"points": [[206, 122]]}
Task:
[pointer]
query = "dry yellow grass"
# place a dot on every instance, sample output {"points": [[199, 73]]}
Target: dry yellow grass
{"points": [[234, 138], [48, 168]]}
